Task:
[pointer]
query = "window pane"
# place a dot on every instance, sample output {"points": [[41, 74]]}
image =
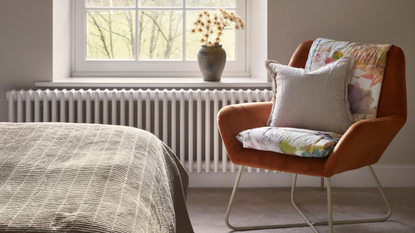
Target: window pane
{"points": [[110, 3], [210, 3], [160, 35], [110, 34], [193, 42], [160, 3]]}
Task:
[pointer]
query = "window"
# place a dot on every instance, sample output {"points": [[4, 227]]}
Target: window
{"points": [[149, 37]]}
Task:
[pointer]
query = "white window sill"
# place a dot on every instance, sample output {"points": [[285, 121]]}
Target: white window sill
{"points": [[176, 83]]}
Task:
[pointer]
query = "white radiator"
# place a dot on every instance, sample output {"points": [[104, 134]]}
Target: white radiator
{"points": [[184, 119]]}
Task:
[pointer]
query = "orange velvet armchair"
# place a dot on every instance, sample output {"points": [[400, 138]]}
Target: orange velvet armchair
{"points": [[362, 145]]}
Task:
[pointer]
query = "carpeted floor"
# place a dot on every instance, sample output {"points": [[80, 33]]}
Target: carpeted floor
{"points": [[255, 206]]}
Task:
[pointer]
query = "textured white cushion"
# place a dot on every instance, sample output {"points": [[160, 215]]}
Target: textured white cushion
{"points": [[314, 100]]}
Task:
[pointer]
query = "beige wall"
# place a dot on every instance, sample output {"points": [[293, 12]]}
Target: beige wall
{"points": [[62, 39], [25, 45], [370, 21], [257, 37]]}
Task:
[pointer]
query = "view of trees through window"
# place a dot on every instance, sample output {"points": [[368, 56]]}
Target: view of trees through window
{"points": [[148, 29]]}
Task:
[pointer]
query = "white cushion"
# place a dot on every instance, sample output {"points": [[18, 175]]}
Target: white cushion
{"points": [[315, 100]]}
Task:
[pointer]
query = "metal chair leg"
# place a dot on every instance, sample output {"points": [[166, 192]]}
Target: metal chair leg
{"points": [[330, 221], [329, 210], [252, 227], [387, 216], [296, 207]]}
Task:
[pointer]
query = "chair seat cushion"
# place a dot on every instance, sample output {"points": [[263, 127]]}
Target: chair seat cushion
{"points": [[292, 141]]}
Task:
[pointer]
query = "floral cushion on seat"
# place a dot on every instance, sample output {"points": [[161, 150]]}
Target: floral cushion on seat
{"points": [[292, 141]]}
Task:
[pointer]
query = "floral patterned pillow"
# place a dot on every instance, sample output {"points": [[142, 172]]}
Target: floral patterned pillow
{"points": [[370, 62], [292, 141]]}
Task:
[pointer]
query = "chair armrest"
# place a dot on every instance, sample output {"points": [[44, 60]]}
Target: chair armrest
{"points": [[233, 119], [363, 144]]}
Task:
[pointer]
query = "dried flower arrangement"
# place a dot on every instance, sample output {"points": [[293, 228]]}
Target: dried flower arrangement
{"points": [[211, 26]]}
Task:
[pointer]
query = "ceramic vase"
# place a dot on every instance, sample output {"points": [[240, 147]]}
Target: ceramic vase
{"points": [[211, 61]]}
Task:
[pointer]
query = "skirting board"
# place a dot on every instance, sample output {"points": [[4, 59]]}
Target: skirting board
{"points": [[388, 175]]}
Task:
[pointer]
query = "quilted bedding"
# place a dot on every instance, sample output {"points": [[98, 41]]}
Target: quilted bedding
{"points": [[63, 177]]}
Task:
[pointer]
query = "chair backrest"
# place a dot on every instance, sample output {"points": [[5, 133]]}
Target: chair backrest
{"points": [[392, 99]]}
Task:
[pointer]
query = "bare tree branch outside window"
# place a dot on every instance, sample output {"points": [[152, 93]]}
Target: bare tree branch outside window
{"points": [[143, 34]]}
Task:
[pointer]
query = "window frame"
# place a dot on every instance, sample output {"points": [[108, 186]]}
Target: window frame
{"points": [[153, 68]]}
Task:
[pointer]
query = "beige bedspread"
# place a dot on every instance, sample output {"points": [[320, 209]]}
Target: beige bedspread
{"points": [[62, 177]]}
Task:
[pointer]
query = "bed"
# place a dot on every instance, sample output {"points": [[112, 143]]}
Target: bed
{"points": [[64, 177]]}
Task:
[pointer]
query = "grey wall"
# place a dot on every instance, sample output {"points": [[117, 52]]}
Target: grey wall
{"points": [[367, 21], [25, 45]]}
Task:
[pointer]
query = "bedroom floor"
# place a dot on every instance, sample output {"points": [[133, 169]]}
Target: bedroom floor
{"points": [[256, 206]]}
